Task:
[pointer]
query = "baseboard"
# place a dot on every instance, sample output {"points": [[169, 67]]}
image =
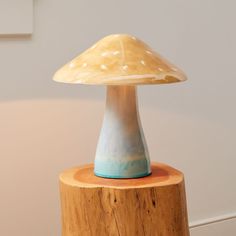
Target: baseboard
{"points": [[218, 226], [212, 220]]}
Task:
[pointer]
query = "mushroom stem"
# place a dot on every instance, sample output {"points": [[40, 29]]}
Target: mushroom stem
{"points": [[122, 151]]}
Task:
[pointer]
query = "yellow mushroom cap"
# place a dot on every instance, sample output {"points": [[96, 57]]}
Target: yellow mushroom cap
{"points": [[119, 60]]}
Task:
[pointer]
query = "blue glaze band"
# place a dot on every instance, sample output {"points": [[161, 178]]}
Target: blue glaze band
{"points": [[122, 177], [122, 151], [122, 169]]}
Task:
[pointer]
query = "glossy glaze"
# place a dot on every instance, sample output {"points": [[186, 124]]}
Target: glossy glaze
{"points": [[119, 60], [122, 151]]}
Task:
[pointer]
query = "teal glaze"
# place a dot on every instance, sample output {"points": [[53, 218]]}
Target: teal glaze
{"points": [[121, 151], [121, 176], [114, 168]]}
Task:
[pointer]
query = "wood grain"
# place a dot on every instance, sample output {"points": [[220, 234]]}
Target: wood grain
{"points": [[150, 206]]}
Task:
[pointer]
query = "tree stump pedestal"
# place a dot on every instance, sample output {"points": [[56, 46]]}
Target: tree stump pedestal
{"points": [[154, 205]]}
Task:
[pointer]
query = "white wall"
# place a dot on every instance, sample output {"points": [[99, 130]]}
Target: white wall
{"points": [[46, 127]]}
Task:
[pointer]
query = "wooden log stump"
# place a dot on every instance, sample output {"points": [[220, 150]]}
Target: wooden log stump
{"points": [[150, 206]]}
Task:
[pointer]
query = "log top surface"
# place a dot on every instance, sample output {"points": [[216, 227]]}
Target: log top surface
{"points": [[83, 176]]}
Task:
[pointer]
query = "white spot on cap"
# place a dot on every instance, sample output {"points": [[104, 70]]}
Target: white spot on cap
{"points": [[143, 62], [84, 64], [160, 69], [148, 52], [103, 67], [104, 54], [134, 38], [116, 52], [125, 67], [71, 65], [94, 46]]}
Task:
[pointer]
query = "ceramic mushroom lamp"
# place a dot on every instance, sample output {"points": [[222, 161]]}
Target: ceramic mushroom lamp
{"points": [[121, 62]]}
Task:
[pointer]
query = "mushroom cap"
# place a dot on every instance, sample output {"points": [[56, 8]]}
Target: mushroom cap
{"points": [[119, 60]]}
